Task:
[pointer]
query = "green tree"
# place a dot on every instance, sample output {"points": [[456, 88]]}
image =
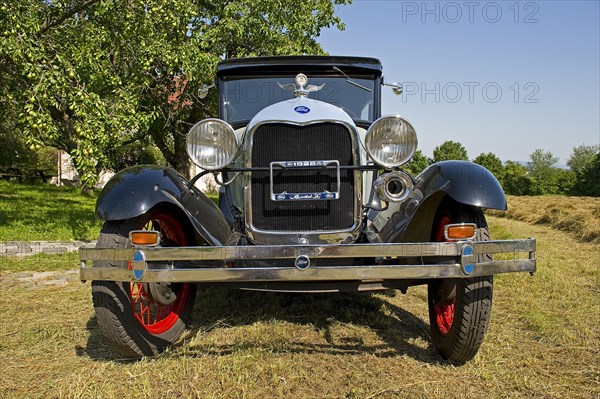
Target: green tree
{"points": [[544, 177], [91, 75], [584, 164], [58, 65], [516, 180], [16, 156], [137, 153], [417, 163], [19, 159], [582, 157], [492, 163], [450, 150], [588, 182], [565, 180]]}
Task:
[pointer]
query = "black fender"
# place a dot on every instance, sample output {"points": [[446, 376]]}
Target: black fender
{"points": [[465, 182], [411, 220], [136, 190]]}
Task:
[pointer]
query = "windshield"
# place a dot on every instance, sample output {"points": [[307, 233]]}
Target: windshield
{"points": [[242, 98]]}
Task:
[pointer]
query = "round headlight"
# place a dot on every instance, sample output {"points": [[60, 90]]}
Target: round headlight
{"points": [[212, 144], [391, 141]]}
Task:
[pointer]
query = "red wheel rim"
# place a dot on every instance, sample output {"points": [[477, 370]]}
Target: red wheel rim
{"points": [[444, 316], [154, 317], [444, 311]]}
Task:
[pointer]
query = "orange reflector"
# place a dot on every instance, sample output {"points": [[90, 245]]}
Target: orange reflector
{"points": [[460, 231], [144, 237]]}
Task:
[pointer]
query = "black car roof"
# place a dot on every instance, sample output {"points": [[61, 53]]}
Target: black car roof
{"points": [[299, 63]]}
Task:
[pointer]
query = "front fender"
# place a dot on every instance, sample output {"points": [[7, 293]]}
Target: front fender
{"points": [[411, 220], [465, 182], [136, 190]]}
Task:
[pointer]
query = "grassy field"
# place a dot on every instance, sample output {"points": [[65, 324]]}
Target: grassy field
{"points": [[45, 212], [31, 212], [543, 340]]}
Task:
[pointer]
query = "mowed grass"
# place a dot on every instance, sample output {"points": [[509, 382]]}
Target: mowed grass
{"points": [[31, 212], [543, 340], [579, 216]]}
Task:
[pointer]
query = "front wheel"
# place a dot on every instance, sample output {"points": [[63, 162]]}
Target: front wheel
{"points": [[142, 319], [459, 309]]}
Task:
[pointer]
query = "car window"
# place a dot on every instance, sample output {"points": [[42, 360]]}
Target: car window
{"points": [[242, 98]]}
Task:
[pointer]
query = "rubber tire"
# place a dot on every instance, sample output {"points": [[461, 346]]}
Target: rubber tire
{"points": [[112, 303], [473, 301]]}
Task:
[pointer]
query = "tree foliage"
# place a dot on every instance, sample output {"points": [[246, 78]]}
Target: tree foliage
{"points": [[544, 177], [491, 162], [16, 156], [588, 180], [450, 150], [137, 153], [91, 75], [585, 164], [516, 180], [582, 157], [591, 178], [539, 176], [417, 163]]}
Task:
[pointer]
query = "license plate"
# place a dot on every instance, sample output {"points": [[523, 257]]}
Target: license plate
{"points": [[307, 165]]}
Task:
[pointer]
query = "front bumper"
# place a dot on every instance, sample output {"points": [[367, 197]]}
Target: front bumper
{"points": [[189, 264]]}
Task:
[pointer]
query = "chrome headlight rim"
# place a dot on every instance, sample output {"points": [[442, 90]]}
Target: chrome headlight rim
{"points": [[411, 131], [228, 129]]}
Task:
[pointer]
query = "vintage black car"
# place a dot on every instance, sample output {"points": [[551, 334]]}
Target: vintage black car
{"points": [[313, 198]]}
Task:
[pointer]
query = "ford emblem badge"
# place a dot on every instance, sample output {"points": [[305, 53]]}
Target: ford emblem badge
{"points": [[301, 109], [302, 262]]}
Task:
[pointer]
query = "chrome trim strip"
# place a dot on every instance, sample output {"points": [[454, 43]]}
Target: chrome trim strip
{"points": [[332, 273], [401, 250], [501, 246]]}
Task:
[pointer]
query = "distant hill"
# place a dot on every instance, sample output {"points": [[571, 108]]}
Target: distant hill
{"points": [[558, 165]]}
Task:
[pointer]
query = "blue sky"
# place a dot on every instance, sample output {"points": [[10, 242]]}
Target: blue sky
{"points": [[505, 77]]}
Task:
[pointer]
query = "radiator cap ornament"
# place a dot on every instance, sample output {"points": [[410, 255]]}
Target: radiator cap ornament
{"points": [[300, 89]]}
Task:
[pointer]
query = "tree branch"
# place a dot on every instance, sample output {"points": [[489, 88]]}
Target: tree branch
{"points": [[162, 145], [66, 15]]}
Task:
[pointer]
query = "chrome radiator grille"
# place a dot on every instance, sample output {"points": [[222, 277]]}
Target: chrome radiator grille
{"points": [[317, 142]]}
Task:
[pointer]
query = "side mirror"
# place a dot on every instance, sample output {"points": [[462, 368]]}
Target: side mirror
{"points": [[396, 87], [203, 90]]}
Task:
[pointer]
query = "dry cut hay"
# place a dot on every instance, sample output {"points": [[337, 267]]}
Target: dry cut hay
{"points": [[579, 216]]}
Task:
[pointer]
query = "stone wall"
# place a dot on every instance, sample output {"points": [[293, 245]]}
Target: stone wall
{"points": [[29, 248]]}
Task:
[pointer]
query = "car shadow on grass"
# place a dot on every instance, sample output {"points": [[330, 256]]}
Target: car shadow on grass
{"points": [[399, 331], [98, 348]]}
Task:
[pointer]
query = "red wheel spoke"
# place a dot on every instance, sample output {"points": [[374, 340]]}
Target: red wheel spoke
{"points": [[153, 316], [444, 311]]}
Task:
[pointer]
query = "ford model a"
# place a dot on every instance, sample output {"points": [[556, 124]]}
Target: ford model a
{"points": [[313, 198]]}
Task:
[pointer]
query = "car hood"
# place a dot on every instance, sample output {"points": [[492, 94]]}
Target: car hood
{"points": [[301, 110]]}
